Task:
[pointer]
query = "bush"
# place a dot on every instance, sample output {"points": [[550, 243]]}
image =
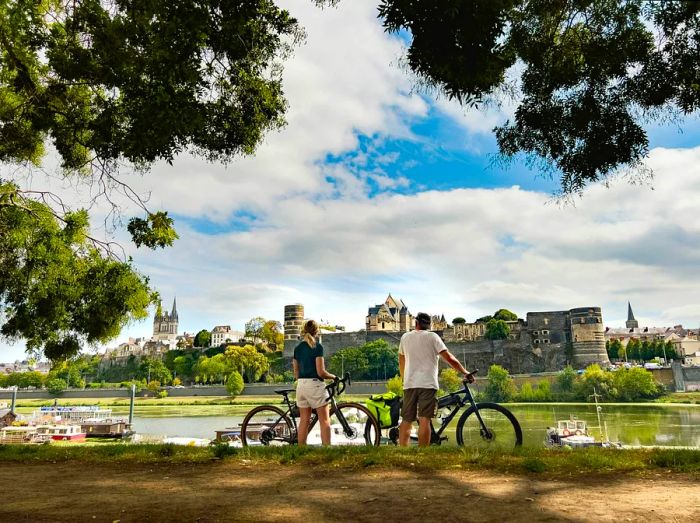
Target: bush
{"points": [[636, 383], [153, 386], [176, 382], [234, 384], [450, 381], [395, 385], [595, 379], [56, 385], [526, 392], [500, 386], [543, 391], [566, 379], [162, 394]]}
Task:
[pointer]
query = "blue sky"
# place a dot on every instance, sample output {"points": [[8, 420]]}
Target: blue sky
{"points": [[372, 188]]}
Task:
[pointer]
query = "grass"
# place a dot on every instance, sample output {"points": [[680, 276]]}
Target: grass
{"points": [[523, 461]]}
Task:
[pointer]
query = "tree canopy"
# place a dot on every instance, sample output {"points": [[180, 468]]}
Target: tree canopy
{"points": [[585, 74]]}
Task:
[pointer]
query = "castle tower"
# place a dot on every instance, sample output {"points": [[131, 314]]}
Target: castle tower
{"points": [[588, 336], [631, 323], [165, 323], [293, 321]]}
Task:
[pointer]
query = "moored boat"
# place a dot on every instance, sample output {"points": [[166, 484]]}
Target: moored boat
{"points": [[65, 432]]}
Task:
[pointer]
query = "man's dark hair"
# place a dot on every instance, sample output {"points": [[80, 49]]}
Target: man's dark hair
{"points": [[423, 319]]}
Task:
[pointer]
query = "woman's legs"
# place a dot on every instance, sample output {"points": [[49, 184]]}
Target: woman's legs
{"points": [[324, 423], [304, 421]]}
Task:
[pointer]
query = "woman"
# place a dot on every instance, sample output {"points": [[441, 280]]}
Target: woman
{"points": [[310, 371]]}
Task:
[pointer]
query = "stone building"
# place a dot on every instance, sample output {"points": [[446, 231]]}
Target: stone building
{"points": [[222, 333], [165, 324], [545, 341], [392, 315]]}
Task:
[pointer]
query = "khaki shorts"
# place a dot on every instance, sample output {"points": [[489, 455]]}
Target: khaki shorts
{"points": [[311, 392], [419, 403]]}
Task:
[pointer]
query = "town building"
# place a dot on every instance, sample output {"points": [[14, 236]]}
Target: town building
{"points": [[165, 323], [392, 315], [223, 334]]}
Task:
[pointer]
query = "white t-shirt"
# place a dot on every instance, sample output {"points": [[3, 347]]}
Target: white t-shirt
{"points": [[421, 350]]}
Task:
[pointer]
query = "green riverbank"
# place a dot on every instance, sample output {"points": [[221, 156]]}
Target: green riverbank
{"points": [[522, 461]]}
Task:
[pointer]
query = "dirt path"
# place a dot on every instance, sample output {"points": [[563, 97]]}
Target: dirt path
{"points": [[234, 491]]}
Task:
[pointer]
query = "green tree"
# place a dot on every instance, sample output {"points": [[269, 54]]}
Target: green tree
{"points": [[154, 370], [595, 380], [484, 319], [566, 379], [56, 385], [247, 361], [272, 334], [458, 321], [497, 330], [614, 348], [450, 380], [590, 72], [58, 288], [234, 384], [202, 338], [499, 385], [526, 392], [254, 329], [352, 360], [635, 384], [505, 315], [395, 385], [3, 380]]}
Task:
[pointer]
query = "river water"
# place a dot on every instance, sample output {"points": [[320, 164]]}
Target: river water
{"points": [[663, 425]]}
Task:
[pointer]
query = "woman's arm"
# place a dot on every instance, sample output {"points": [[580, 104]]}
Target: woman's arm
{"points": [[321, 369], [295, 365]]}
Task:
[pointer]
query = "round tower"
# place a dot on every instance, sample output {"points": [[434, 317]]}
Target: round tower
{"points": [[293, 321], [588, 336]]}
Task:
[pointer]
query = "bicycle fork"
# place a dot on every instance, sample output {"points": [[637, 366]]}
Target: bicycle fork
{"points": [[485, 432]]}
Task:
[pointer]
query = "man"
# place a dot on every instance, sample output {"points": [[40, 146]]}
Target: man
{"points": [[418, 364]]}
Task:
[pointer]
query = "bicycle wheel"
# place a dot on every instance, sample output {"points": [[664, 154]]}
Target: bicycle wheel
{"points": [[362, 427], [501, 431], [267, 425]]}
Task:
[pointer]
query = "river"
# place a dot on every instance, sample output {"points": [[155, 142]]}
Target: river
{"points": [[649, 424]]}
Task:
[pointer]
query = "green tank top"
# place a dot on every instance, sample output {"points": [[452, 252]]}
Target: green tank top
{"points": [[306, 359]]}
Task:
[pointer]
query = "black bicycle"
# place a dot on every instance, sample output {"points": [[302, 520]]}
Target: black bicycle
{"points": [[484, 424], [351, 423]]}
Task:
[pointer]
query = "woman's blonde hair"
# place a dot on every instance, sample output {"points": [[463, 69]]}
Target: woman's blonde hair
{"points": [[309, 331]]}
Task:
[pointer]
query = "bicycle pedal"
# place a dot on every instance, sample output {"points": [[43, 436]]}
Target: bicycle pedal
{"points": [[443, 438]]}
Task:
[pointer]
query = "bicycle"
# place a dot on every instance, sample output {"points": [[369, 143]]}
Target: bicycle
{"points": [[351, 423], [484, 424]]}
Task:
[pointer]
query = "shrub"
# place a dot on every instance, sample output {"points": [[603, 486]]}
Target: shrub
{"points": [[450, 381], [636, 383], [526, 393], [500, 386], [566, 379], [543, 391], [395, 385], [56, 386], [162, 394], [234, 384], [177, 381], [595, 379]]}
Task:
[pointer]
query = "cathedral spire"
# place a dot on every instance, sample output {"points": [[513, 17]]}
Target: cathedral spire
{"points": [[631, 323], [173, 313]]}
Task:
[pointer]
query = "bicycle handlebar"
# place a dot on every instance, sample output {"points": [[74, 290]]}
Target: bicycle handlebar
{"points": [[472, 373], [339, 385]]}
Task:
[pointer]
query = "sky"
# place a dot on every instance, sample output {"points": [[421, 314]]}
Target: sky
{"points": [[374, 188]]}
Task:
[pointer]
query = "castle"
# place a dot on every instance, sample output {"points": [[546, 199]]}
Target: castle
{"points": [[544, 341], [164, 324]]}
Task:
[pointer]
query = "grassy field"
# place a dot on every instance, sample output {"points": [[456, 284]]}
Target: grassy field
{"points": [[523, 461]]}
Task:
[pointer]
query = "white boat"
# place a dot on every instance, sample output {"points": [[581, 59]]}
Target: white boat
{"points": [[569, 433], [62, 432], [71, 414], [18, 434]]}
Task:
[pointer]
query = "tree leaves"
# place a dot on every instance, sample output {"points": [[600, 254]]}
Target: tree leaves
{"points": [[591, 72], [155, 231]]}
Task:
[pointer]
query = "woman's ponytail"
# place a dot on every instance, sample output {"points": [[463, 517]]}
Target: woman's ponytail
{"points": [[310, 331]]}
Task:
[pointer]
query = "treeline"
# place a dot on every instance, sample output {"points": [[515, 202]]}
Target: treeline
{"points": [[641, 350], [625, 385]]}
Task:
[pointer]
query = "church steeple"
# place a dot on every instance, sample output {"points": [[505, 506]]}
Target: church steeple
{"points": [[173, 313], [631, 323]]}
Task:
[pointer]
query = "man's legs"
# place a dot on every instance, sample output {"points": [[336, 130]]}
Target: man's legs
{"points": [[423, 432], [405, 432]]}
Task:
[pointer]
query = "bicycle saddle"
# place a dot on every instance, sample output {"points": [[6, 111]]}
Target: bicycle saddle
{"points": [[284, 392]]}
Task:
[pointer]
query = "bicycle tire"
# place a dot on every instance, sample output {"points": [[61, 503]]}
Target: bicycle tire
{"points": [[362, 422], [504, 432], [255, 432]]}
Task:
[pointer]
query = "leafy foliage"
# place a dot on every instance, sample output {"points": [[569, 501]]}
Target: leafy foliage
{"points": [[372, 361], [140, 81], [57, 290], [234, 384], [590, 71], [202, 338], [395, 385], [56, 385], [458, 320], [497, 330], [247, 361], [505, 315], [500, 386], [450, 380]]}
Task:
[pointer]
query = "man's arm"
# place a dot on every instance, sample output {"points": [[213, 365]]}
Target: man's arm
{"points": [[402, 364], [456, 365]]}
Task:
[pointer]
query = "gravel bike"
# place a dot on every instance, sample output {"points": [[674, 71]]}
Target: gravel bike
{"points": [[351, 423], [484, 424]]}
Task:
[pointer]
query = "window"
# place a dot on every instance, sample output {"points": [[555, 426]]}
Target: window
{"points": [[546, 321], [545, 333], [536, 342], [545, 341], [535, 333]]}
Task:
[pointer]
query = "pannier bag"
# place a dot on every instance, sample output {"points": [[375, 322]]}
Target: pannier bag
{"points": [[386, 408]]}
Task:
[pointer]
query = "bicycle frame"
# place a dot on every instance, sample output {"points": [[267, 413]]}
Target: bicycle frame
{"points": [[462, 398]]}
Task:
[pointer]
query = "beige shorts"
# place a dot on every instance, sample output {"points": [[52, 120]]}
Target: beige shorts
{"points": [[311, 392]]}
